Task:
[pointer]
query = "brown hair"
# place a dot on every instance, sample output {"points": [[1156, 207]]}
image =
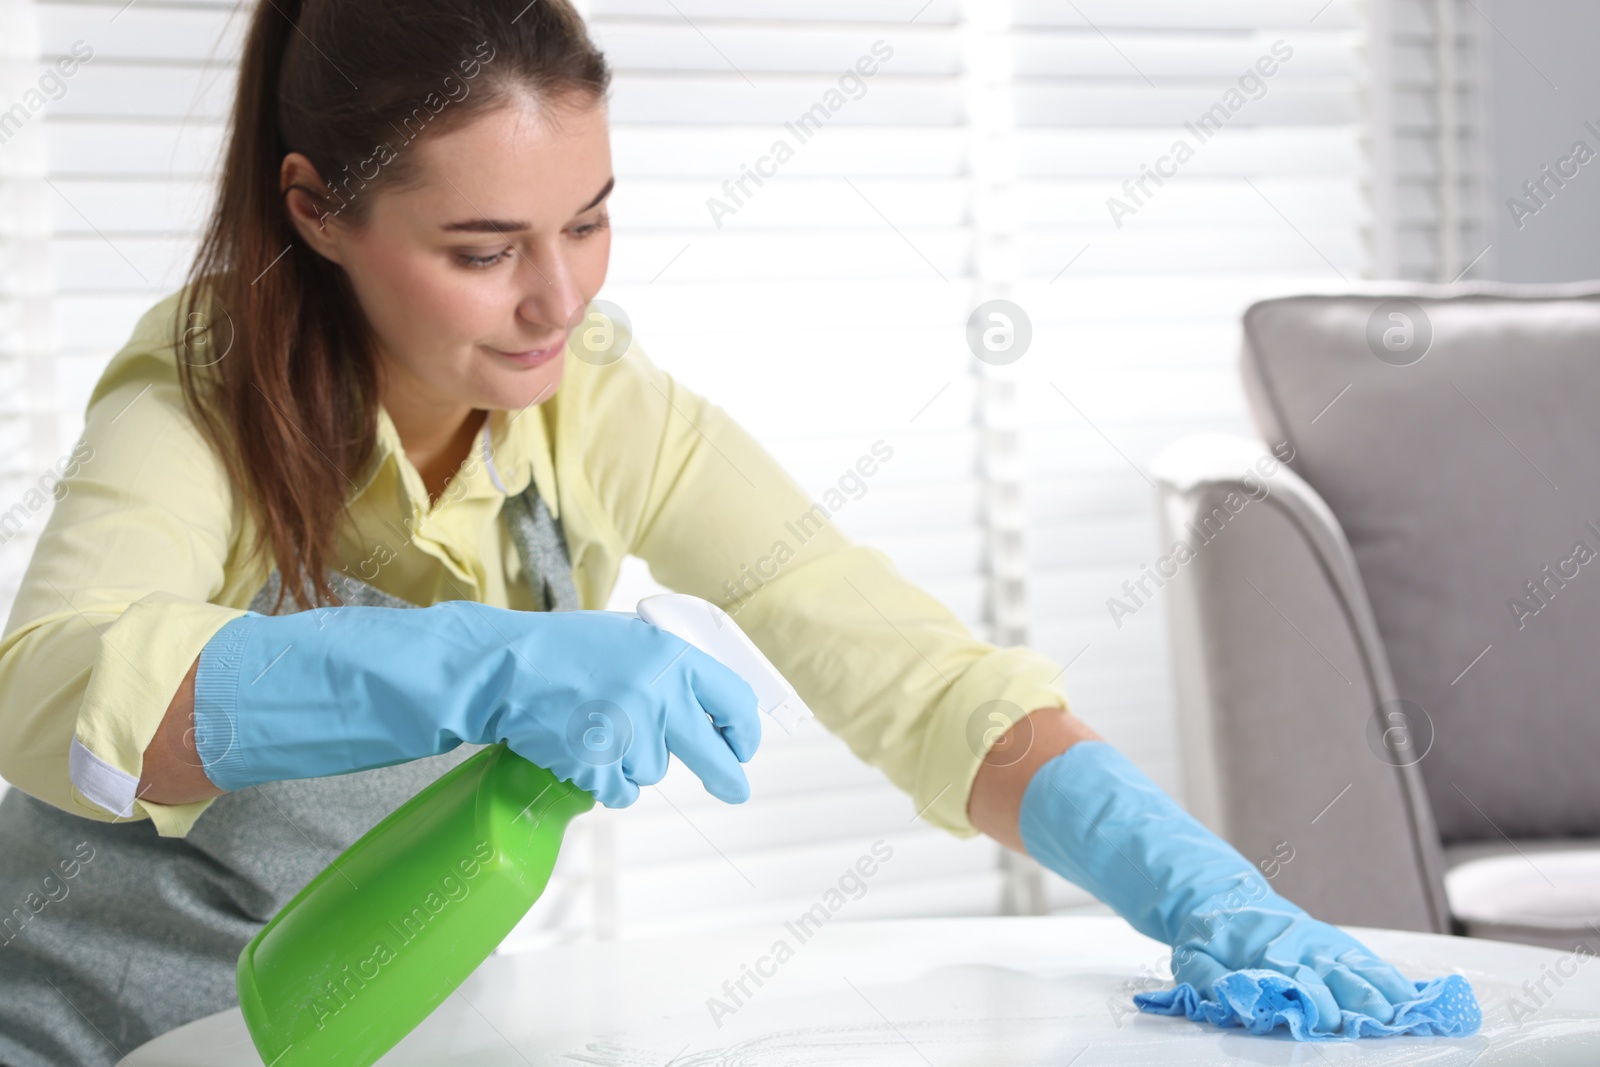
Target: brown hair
{"points": [[291, 403]]}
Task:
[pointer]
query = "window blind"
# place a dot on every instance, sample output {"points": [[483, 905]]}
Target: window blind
{"points": [[795, 238], [26, 412], [1175, 162], [1431, 141], [821, 292]]}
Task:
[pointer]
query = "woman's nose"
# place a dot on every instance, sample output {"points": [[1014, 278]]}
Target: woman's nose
{"points": [[549, 292]]}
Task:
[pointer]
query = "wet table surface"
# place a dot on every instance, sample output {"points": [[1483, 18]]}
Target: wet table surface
{"points": [[922, 993]]}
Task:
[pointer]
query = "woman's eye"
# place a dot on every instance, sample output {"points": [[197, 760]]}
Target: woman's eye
{"points": [[467, 259], [590, 229]]}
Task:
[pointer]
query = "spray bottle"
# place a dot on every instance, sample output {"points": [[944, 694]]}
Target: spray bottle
{"points": [[381, 937]]}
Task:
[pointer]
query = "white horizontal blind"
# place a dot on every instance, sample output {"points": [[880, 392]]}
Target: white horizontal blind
{"points": [[24, 288], [1175, 162], [1438, 141], [827, 312], [823, 308], [133, 147], [25, 422]]}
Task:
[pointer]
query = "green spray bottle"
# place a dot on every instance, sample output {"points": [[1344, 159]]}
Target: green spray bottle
{"points": [[382, 936]]}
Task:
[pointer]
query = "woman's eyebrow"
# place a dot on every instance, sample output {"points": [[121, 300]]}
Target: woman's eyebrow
{"points": [[513, 225], [605, 191], [485, 226]]}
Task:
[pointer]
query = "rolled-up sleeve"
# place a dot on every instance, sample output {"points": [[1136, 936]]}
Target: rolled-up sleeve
{"points": [[883, 664], [114, 605]]}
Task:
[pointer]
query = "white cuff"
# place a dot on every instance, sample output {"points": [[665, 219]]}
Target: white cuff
{"points": [[107, 786]]}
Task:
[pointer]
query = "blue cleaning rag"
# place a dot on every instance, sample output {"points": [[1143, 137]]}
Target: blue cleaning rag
{"points": [[1260, 1001]]}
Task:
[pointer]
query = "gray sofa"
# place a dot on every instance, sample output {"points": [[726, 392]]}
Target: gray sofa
{"points": [[1387, 647]]}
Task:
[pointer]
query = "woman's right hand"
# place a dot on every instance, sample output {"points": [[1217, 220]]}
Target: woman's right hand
{"points": [[611, 695], [598, 697]]}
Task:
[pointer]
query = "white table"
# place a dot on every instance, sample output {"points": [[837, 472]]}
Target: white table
{"points": [[985, 992]]}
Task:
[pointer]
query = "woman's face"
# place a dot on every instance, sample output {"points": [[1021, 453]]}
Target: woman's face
{"points": [[471, 278]]}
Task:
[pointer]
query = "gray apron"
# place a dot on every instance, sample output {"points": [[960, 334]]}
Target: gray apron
{"points": [[146, 933]]}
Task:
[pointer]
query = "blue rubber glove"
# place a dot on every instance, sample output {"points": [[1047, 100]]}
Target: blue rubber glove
{"points": [[597, 697], [1097, 820]]}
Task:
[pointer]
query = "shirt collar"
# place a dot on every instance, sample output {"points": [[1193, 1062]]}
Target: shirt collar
{"points": [[511, 449]]}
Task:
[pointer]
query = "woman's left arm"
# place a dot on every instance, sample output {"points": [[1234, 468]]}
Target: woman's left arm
{"points": [[980, 736], [996, 801], [885, 665]]}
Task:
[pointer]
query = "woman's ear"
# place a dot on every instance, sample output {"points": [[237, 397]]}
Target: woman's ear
{"points": [[307, 201]]}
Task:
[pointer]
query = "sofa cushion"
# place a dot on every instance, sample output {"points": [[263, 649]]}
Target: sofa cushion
{"points": [[1531, 892], [1465, 471]]}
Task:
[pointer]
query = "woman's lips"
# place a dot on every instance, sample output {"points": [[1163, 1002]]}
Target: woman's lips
{"points": [[533, 357]]}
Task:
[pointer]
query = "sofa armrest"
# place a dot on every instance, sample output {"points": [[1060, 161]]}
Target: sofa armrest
{"points": [[1284, 691]]}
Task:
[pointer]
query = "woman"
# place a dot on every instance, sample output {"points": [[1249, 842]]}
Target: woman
{"points": [[355, 498]]}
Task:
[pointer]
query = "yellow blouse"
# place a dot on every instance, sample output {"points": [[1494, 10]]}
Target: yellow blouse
{"points": [[142, 561]]}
